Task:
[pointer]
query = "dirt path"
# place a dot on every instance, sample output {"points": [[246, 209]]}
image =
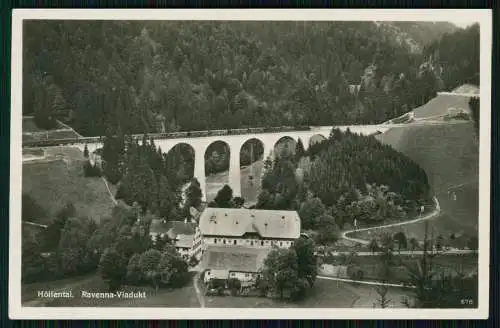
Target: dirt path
{"points": [[431, 215], [113, 199], [35, 224], [199, 294], [396, 253], [362, 282]]}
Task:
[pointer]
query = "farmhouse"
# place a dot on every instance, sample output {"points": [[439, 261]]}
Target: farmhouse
{"points": [[180, 232], [224, 262], [243, 227]]}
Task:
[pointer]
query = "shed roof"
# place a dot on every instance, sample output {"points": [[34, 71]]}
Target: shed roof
{"points": [[172, 228], [234, 258]]}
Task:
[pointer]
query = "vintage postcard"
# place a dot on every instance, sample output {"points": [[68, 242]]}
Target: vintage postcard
{"points": [[300, 164]]}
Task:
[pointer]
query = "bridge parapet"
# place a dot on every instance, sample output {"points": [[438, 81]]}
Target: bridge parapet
{"points": [[168, 135], [207, 133]]}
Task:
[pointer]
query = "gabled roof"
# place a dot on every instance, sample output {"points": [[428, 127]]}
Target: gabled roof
{"points": [[172, 228], [185, 241], [182, 228], [219, 274], [236, 222], [234, 258], [158, 226]]}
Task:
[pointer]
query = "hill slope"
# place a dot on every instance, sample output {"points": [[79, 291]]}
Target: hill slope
{"points": [[440, 105], [450, 156], [417, 35], [447, 152], [58, 179]]}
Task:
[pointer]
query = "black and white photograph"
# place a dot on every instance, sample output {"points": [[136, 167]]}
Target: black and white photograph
{"points": [[299, 164]]}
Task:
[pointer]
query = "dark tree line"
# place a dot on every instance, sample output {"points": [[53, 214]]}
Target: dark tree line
{"points": [[475, 110], [119, 247], [60, 250], [146, 178], [457, 54], [136, 77], [226, 199], [346, 178], [349, 160], [436, 289], [289, 273]]}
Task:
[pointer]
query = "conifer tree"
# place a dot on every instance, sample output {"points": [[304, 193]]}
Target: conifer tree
{"points": [[299, 150], [85, 151]]}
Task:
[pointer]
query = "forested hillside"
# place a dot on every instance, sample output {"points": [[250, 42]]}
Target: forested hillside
{"points": [[419, 34], [137, 77], [345, 178], [457, 55]]}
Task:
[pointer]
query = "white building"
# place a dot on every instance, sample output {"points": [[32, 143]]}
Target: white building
{"points": [[226, 262], [233, 243], [245, 227], [180, 232]]}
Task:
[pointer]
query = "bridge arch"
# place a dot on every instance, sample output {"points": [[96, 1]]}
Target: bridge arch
{"points": [[315, 139], [251, 167], [284, 145], [252, 150], [181, 157], [217, 159]]}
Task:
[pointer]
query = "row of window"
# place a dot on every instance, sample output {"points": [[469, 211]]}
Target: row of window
{"points": [[252, 242], [232, 274]]}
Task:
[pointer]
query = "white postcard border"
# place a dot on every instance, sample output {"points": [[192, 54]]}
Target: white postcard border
{"points": [[481, 16]]}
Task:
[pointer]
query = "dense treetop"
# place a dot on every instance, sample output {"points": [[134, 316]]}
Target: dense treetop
{"points": [[345, 178], [130, 76]]}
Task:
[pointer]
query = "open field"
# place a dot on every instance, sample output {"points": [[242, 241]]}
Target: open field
{"points": [[370, 265], [181, 297], [29, 291], [59, 179], [29, 125], [325, 294], [457, 216], [449, 154], [35, 152], [32, 133], [440, 104], [59, 134], [369, 298]]}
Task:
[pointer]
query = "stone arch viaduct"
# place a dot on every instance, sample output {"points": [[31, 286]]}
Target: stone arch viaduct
{"points": [[235, 142]]}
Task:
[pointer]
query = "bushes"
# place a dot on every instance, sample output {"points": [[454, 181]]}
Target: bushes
{"points": [[234, 286], [218, 285], [193, 261], [91, 170], [158, 269], [263, 286], [348, 259], [355, 272]]}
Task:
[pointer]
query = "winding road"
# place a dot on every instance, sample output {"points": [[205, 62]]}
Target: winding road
{"points": [[434, 213]]}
